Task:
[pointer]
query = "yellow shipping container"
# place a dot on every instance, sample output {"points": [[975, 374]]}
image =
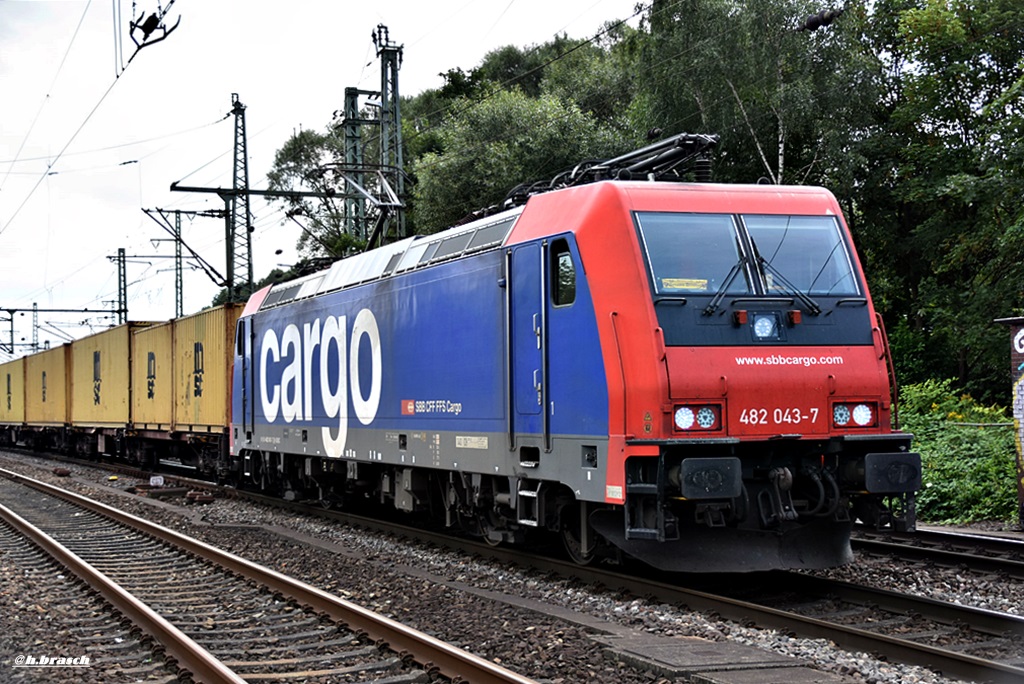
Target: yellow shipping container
{"points": [[47, 386], [153, 378], [101, 377], [203, 354], [12, 392]]}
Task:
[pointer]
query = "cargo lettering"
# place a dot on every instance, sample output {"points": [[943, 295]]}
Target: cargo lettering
{"points": [[96, 378], [293, 397], [198, 366], [150, 375]]}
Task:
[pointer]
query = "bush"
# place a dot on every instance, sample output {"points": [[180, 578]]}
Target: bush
{"points": [[967, 451]]}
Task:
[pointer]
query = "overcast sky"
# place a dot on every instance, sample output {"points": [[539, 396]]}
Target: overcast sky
{"points": [[123, 139]]}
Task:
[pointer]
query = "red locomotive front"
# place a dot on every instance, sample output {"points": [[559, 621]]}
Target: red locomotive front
{"points": [[751, 407]]}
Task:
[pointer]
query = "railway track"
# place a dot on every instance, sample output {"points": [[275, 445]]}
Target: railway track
{"points": [[961, 641], [957, 641], [220, 617], [80, 627], [976, 553]]}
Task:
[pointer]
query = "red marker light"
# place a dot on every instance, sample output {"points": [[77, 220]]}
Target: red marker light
{"points": [[739, 317]]}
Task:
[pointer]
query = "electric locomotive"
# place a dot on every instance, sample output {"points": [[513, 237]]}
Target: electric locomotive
{"points": [[691, 374]]}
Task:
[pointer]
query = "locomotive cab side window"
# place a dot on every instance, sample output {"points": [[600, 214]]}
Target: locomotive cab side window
{"points": [[563, 274]]}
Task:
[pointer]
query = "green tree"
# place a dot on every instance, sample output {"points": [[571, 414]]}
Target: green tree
{"points": [[942, 205], [787, 104], [492, 145], [599, 76], [304, 163]]}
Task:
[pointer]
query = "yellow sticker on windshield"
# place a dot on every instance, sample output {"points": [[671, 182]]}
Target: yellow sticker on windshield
{"points": [[683, 284]]}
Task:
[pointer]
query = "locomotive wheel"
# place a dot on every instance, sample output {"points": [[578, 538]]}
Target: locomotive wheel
{"points": [[569, 525], [486, 526]]}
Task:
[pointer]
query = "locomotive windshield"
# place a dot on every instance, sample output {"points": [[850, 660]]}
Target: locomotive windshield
{"points": [[808, 251], [692, 254]]}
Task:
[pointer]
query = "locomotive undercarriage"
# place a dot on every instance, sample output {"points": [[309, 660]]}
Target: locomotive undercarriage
{"points": [[783, 503], [495, 509], [731, 508], [697, 507]]}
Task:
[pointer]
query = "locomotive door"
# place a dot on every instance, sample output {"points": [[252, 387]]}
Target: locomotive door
{"points": [[248, 376], [526, 341]]}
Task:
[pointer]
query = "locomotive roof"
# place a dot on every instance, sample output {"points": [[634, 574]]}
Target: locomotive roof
{"points": [[398, 257], [492, 232]]}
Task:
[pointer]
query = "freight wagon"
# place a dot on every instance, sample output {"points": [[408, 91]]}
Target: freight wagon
{"points": [[12, 400], [139, 391]]}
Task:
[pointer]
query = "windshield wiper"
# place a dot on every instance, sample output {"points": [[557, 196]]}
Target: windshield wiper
{"points": [[720, 292], [812, 306]]}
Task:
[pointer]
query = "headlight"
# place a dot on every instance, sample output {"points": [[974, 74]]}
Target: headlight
{"points": [[766, 326], [685, 418], [862, 414], [700, 417], [706, 417]]}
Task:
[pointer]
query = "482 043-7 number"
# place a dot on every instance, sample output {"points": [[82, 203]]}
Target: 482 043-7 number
{"points": [[777, 416]]}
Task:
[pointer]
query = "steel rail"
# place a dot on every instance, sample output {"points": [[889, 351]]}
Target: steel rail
{"points": [[981, 619], [747, 613], [934, 547], [972, 561], [430, 653], [667, 590], [189, 655]]}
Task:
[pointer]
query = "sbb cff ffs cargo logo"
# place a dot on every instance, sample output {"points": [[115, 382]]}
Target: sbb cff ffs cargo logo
{"points": [[321, 354]]}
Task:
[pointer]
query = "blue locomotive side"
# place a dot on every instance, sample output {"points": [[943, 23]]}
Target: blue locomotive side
{"points": [[438, 367]]}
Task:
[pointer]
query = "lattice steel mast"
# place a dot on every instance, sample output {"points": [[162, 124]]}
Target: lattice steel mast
{"points": [[239, 224], [391, 165]]}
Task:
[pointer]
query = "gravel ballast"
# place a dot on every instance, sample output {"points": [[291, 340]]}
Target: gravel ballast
{"points": [[413, 583]]}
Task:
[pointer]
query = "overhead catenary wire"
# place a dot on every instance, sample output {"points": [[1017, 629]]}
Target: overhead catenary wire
{"points": [[81, 126], [54, 165], [261, 221], [105, 293], [737, 126], [118, 146], [46, 97], [51, 164]]}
